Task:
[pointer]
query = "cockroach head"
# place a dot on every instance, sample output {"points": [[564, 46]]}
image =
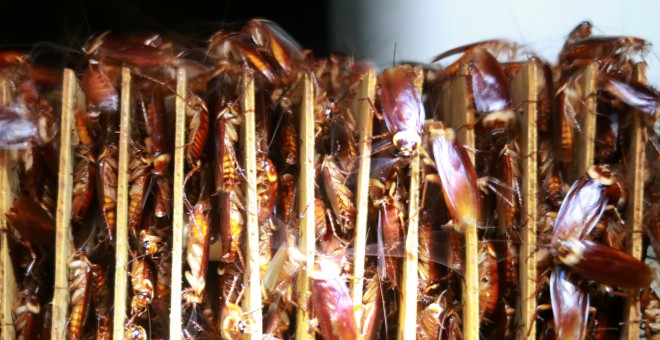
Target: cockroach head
{"points": [[406, 142]]}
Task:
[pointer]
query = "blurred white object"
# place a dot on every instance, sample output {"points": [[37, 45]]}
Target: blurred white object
{"points": [[422, 29]]}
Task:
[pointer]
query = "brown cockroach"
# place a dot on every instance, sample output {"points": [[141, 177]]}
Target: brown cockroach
{"points": [[83, 187], [232, 227], [198, 128], [332, 304], [84, 131], [650, 307], [494, 46], [225, 160], [429, 320], [106, 184], [154, 112], [100, 90], [26, 314], [287, 135], [286, 209], [80, 278], [636, 95], [34, 224], [651, 226], [581, 31], [142, 282], [232, 319], [277, 320], [230, 48], [266, 187], [601, 48], [457, 175], [391, 221], [339, 195], [163, 195], [233, 323], [102, 303], [197, 251], [112, 48], [488, 86], [506, 185], [281, 271], [488, 280], [401, 107], [372, 307], [135, 332], [138, 179], [550, 175]]}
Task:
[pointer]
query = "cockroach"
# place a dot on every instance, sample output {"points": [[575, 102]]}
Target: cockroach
{"points": [[15, 131], [279, 276], [581, 31], [391, 221], [266, 187], [494, 46], [111, 48], [83, 129], [197, 251], [507, 187], [457, 174], [345, 147], [100, 90], [102, 303], [232, 319], [429, 321], [550, 175], [286, 209], [135, 332], [138, 179], [372, 307], [401, 107], [143, 285], [26, 314], [332, 304], [570, 305], [230, 48], [339, 195], [34, 224], [83, 187], [80, 278], [198, 128], [225, 161], [232, 228], [107, 187], [163, 195], [651, 226], [154, 112], [233, 323], [279, 45], [11, 58], [650, 307], [601, 48], [488, 86], [288, 140], [488, 280], [636, 95], [163, 281], [277, 320]]}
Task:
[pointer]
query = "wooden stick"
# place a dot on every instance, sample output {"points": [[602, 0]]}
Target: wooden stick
{"points": [[71, 101], [364, 117], [634, 216], [584, 143], [177, 210], [408, 310], [121, 239], [9, 288], [306, 205], [252, 302], [525, 89]]}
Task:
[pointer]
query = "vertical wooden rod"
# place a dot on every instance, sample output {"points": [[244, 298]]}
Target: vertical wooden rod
{"points": [[121, 239], [252, 301], [364, 116], [177, 211], [306, 206], [63, 238]]}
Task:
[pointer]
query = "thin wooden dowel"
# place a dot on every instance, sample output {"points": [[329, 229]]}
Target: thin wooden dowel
{"points": [[71, 101], [9, 288], [177, 210], [364, 117], [525, 89], [121, 239], [584, 143], [252, 301], [634, 216], [307, 239], [408, 304]]}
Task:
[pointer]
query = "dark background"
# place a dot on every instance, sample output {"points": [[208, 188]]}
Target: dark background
{"points": [[68, 24]]}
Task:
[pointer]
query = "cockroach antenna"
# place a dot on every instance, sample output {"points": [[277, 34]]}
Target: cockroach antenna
{"points": [[394, 56]]}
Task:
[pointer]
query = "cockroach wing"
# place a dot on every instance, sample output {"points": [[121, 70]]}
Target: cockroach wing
{"points": [[458, 176], [570, 306], [583, 206], [489, 83], [332, 303], [15, 131], [603, 264], [635, 95]]}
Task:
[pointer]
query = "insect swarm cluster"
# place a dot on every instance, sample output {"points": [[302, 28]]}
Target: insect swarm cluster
{"points": [[245, 188]]}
